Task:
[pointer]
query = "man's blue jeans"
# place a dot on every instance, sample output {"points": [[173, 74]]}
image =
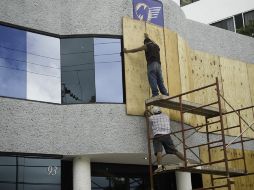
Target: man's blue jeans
{"points": [[155, 79]]}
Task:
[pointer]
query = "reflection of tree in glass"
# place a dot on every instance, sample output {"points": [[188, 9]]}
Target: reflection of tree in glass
{"points": [[66, 91], [116, 183], [247, 30], [93, 99], [136, 184]]}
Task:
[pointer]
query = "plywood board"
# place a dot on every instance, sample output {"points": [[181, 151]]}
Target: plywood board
{"points": [[250, 68], [173, 70], [244, 182], [216, 155], [137, 87], [156, 34], [236, 90], [184, 65], [205, 68]]}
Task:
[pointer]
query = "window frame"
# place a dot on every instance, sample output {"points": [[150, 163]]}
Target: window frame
{"points": [[192, 1], [120, 37], [233, 17]]}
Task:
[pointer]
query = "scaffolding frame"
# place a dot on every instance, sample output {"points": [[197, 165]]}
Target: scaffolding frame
{"points": [[209, 112]]}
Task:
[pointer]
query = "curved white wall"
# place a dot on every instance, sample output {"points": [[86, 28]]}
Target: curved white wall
{"points": [[209, 11], [177, 2], [33, 127]]}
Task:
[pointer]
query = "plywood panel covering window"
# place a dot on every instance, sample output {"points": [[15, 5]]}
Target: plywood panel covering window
{"points": [[236, 90], [173, 70], [240, 183], [205, 68], [185, 69], [137, 87], [250, 68], [185, 72]]}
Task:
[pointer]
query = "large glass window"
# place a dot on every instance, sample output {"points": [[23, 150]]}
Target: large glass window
{"points": [[91, 70], [248, 17], [22, 173], [119, 177], [238, 21], [186, 2], [29, 65], [108, 70], [227, 24]]}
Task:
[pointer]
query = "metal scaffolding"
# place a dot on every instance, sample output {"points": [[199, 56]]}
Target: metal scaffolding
{"points": [[210, 112]]}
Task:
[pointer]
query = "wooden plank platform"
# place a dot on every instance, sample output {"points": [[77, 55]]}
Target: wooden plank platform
{"points": [[201, 169], [188, 107]]}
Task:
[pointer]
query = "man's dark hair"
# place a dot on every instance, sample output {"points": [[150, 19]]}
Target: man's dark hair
{"points": [[147, 40]]}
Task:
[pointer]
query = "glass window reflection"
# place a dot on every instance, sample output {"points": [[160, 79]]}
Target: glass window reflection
{"points": [[13, 62], [100, 183], [136, 183], [8, 173], [248, 17], [29, 65], [227, 24], [108, 70], [22, 173], [77, 61], [91, 70], [41, 187], [43, 65], [6, 160], [7, 186]]}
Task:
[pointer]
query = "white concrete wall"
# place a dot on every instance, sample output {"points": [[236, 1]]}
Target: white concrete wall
{"points": [[209, 11], [177, 2]]}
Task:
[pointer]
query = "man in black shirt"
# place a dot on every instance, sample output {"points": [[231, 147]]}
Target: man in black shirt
{"points": [[154, 73]]}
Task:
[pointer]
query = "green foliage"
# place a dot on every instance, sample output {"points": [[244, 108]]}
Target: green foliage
{"points": [[247, 30]]}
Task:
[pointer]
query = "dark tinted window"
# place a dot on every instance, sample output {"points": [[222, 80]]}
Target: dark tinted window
{"points": [[100, 182], [6, 160], [77, 62], [91, 70], [41, 187], [29, 65], [7, 186], [24, 173], [40, 162], [8, 173], [186, 2], [227, 24], [39, 170], [239, 21], [249, 16], [50, 174], [119, 176]]}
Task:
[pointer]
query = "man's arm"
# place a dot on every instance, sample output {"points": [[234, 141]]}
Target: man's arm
{"points": [[135, 49]]}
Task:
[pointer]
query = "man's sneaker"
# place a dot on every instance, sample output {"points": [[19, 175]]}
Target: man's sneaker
{"points": [[159, 169]]}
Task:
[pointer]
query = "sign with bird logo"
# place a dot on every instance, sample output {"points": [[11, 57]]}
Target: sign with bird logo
{"points": [[149, 11]]}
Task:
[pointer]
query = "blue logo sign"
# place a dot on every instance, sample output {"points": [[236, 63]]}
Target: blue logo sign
{"points": [[148, 10]]}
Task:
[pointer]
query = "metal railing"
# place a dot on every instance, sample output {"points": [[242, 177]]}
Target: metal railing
{"points": [[221, 143]]}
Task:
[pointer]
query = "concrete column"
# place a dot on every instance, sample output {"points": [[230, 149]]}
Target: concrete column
{"points": [[183, 181], [81, 174]]}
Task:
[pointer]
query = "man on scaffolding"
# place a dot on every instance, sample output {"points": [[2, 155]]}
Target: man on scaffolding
{"points": [[160, 125]]}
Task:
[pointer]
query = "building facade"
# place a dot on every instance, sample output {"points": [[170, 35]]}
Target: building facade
{"points": [[223, 14], [63, 113]]}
